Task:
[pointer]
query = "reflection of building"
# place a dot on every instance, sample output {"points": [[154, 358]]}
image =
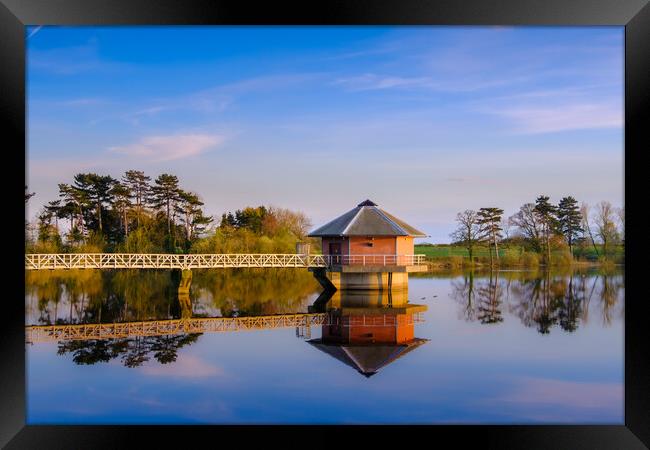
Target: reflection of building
{"points": [[369, 330], [368, 248]]}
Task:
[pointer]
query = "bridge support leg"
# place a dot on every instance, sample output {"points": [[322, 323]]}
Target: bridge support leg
{"points": [[328, 284]]}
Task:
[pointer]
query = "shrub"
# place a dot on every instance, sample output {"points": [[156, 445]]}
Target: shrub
{"points": [[606, 265], [529, 259], [43, 247], [139, 241], [562, 259], [456, 261], [510, 258]]}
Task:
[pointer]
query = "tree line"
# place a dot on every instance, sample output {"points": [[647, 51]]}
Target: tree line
{"points": [[105, 213], [136, 214], [541, 227]]}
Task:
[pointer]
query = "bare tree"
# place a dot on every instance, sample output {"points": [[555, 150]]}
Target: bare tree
{"points": [[605, 225], [528, 224], [584, 212], [468, 232], [489, 219], [296, 222]]}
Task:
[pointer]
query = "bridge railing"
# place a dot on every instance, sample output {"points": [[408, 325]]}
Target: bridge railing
{"points": [[167, 261], [38, 261], [376, 260]]}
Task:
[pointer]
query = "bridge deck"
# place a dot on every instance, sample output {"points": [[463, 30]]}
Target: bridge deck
{"points": [[39, 261]]}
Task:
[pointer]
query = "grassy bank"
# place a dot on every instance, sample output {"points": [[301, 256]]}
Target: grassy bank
{"points": [[455, 257]]}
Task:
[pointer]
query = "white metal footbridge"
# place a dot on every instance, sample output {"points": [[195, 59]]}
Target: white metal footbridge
{"points": [[40, 261]]}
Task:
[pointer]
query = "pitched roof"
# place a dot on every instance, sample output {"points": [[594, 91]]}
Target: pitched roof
{"points": [[367, 219], [367, 359]]}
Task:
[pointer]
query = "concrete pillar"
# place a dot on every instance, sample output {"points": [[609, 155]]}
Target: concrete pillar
{"points": [[373, 280]]}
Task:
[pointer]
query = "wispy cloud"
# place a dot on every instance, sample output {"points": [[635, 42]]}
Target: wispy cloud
{"points": [[168, 148], [372, 81], [533, 120], [215, 99]]}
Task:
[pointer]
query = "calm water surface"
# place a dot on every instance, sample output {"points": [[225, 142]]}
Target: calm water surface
{"points": [[513, 347]]}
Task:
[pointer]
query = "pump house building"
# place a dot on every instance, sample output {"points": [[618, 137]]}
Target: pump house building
{"points": [[369, 240]]}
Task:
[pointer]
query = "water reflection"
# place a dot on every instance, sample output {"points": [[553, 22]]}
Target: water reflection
{"points": [[94, 296], [367, 330], [548, 347], [103, 297], [132, 351], [541, 300]]}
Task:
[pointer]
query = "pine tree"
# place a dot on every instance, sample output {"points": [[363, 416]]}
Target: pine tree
{"points": [[546, 213], [96, 189], [54, 209], [28, 195], [569, 220], [489, 220], [165, 194], [74, 200], [192, 218], [139, 186], [121, 194]]}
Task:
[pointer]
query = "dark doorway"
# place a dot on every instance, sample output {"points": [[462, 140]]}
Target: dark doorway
{"points": [[335, 252]]}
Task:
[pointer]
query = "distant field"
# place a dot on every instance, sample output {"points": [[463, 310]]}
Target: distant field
{"points": [[445, 252], [451, 250]]}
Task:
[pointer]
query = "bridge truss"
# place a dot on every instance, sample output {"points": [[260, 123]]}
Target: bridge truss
{"points": [[41, 261], [167, 261]]}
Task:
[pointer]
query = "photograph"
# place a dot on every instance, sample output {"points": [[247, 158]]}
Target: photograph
{"points": [[325, 225]]}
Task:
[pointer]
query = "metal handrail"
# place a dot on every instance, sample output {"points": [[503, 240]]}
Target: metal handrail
{"points": [[38, 261], [377, 260]]}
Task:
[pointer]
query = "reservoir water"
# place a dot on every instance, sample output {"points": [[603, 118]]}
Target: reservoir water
{"points": [[513, 347]]}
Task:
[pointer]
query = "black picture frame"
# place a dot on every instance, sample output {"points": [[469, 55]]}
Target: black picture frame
{"points": [[633, 14]]}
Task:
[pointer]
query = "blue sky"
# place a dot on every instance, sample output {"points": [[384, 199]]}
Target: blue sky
{"points": [[426, 121]]}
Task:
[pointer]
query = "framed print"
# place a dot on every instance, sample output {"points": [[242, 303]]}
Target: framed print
{"points": [[358, 217]]}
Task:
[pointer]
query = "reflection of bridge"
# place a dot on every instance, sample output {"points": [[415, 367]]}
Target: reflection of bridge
{"points": [[205, 261], [49, 333], [80, 332]]}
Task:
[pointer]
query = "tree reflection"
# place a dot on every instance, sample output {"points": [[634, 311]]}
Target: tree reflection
{"points": [[464, 293], [610, 290], [570, 308], [539, 300], [480, 300], [489, 300], [95, 296], [133, 351], [249, 292]]}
